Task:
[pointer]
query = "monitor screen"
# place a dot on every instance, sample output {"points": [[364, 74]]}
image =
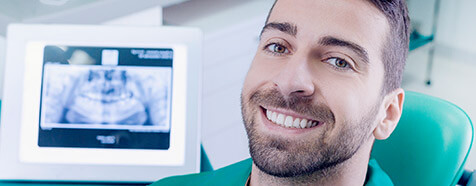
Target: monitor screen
{"points": [[106, 103], [106, 97]]}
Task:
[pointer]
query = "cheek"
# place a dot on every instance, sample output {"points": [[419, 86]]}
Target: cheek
{"points": [[259, 74], [352, 97], [344, 104], [349, 99]]}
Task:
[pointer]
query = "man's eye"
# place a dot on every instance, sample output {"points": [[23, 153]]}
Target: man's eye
{"points": [[338, 63], [277, 48]]}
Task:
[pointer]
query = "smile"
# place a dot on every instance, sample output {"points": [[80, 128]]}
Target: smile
{"points": [[288, 121]]}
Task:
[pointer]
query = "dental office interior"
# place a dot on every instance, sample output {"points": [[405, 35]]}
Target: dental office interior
{"points": [[441, 61]]}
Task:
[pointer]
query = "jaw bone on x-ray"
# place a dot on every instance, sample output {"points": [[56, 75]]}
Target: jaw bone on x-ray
{"points": [[105, 95]]}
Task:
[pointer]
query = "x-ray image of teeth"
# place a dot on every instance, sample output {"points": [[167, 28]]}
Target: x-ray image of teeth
{"points": [[106, 95]]}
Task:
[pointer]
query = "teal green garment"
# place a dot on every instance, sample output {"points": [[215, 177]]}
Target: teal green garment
{"points": [[376, 176], [237, 174]]}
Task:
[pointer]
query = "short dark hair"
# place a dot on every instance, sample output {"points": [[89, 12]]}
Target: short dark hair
{"points": [[395, 48]]}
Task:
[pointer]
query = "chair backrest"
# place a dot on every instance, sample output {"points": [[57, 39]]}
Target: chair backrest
{"points": [[430, 144]]}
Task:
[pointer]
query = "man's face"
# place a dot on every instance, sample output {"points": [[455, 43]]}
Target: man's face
{"points": [[311, 96]]}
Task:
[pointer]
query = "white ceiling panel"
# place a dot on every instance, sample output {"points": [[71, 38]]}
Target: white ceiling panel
{"points": [[72, 11]]}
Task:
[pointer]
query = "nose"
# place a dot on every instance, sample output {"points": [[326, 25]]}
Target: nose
{"points": [[295, 79]]}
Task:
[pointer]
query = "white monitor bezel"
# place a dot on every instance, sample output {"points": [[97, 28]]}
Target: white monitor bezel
{"points": [[20, 156]]}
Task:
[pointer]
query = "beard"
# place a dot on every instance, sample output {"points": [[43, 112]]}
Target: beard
{"points": [[319, 152]]}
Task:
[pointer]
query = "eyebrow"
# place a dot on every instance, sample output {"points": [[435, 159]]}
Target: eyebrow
{"points": [[333, 41], [292, 30], [285, 27]]}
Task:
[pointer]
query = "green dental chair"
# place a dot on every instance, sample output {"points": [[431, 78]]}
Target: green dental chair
{"points": [[430, 145]]}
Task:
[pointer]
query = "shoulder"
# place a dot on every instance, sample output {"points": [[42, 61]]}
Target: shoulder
{"points": [[235, 174]]}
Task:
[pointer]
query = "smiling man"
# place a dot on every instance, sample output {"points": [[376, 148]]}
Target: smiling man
{"points": [[323, 86]]}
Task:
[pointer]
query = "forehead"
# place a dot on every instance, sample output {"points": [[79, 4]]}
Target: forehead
{"points": [[353, 20]]}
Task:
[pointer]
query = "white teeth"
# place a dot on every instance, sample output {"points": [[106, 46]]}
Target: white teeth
{"points": [[289, 121], [273, 117], [296, 123], [280, 119], [303, 123]]}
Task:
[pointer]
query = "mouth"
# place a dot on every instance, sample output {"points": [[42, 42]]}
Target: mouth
{"points": [[289, 119], [107, 98]]}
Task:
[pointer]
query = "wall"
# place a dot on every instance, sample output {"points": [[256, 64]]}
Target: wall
{"points": [[148, 17], [2, 63], [454, 21], [456, 25]]}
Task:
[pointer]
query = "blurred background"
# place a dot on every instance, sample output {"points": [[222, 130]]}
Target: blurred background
{"points": [[442, 60]]}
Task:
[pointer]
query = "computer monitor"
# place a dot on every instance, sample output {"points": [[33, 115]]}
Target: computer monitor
{"points": [[100, 103]]}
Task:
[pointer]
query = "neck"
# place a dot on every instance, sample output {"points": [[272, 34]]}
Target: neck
{"points": [[350, 172]]}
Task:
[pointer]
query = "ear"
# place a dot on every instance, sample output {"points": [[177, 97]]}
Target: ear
{"points": [[393, 105]]}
